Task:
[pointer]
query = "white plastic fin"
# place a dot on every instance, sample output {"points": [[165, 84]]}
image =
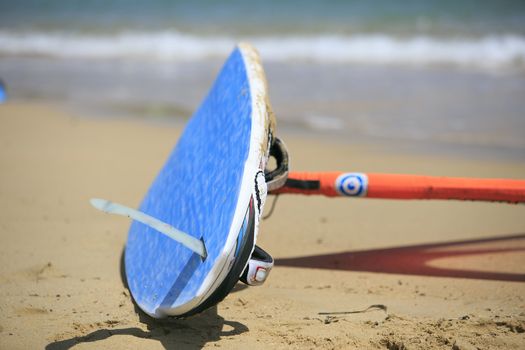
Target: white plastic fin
{"points": [[183, 238]]}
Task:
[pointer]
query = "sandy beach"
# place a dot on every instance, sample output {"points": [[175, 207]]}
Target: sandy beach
{"points": [[429, 275]]}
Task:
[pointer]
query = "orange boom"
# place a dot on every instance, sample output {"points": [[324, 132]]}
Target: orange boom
{"points": [[394, 186]]}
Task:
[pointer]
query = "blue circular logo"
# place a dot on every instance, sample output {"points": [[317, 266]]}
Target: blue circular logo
{"points": [[352, 184]]}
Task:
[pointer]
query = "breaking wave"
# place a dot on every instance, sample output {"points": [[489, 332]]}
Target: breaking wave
{"points": [[490, 52]]}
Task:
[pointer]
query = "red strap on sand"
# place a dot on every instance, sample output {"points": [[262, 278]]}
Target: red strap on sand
{"points": [[392, 186]]}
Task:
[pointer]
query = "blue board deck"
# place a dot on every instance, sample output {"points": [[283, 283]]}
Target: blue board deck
{"points": [[204, 189]]}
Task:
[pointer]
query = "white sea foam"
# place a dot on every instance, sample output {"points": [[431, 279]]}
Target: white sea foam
{"points": [[491, 52]]}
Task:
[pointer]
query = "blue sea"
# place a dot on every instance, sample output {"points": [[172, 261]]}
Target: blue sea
{"points": [[428, 75]]}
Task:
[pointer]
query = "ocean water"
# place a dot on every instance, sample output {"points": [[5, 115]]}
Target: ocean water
{"points": [[431, 75]]}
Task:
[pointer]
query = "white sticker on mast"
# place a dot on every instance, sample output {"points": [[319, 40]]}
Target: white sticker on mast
{"points": [[352, 184]]}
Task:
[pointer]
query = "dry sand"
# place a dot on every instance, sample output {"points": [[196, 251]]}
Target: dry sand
{"points": [[60, 277]]}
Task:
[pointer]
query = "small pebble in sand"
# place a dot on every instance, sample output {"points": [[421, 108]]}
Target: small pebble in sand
{"points": [[462, 345]]}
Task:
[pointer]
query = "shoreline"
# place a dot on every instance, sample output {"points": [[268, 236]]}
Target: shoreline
{"points": [[176, 117], [427, 110]]}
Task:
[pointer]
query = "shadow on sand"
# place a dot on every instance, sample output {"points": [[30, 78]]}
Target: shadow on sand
{"points": [[190, 333], [415, 259]]}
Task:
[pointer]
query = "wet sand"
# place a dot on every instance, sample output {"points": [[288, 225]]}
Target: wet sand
{"points": [[433, 275]]}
